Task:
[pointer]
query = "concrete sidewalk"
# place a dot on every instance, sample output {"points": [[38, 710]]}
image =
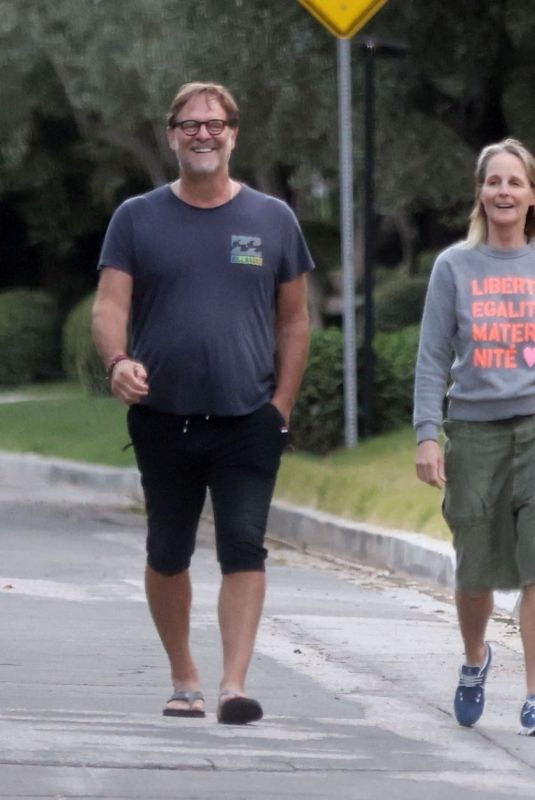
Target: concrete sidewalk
{"points": [[308, 530]]}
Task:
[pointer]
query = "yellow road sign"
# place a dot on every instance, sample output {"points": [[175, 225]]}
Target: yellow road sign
{"points": [[343, 18]]}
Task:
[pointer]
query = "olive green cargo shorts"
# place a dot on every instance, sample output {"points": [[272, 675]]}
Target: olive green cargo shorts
{"points": [[489, 502]]}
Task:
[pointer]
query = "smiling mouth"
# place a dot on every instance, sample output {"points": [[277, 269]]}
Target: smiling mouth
{"points": [[203, 149]]}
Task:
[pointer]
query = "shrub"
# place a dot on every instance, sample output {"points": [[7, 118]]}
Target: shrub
{"points": [[399, 303], [324, 243], [318, 416], [30, 337], [80, 358], [425, 261], [395, 360]]}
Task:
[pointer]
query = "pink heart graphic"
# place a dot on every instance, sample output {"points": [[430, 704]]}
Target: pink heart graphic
{"points": [[529, 355]]}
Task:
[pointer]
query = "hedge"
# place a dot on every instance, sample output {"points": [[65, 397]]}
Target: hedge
{"points": [[30, 337], [399, 303], [318, 418], [80, 358], [395, 360]]}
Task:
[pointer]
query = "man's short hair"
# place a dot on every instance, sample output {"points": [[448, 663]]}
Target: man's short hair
{"points": [[213, 90]]}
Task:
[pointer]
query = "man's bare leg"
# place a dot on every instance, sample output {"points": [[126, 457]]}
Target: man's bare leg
{"points": [[169, 598], [241, 600]]}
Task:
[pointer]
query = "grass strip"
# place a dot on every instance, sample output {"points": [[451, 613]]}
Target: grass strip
{"points": [[373, 482], [66, 423]]}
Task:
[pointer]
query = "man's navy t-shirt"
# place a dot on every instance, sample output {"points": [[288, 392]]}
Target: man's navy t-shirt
{"points": [[205, 287]]}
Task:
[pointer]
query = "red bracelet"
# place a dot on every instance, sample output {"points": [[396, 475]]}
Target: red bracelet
{"points": [[113, 363]]}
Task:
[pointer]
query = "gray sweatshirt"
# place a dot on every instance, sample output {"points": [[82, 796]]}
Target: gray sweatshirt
{"points": [[478, 336]]}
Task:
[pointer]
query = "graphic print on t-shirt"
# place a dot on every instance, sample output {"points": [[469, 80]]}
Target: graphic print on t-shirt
{"points": [[246, 250], [503, 322]]}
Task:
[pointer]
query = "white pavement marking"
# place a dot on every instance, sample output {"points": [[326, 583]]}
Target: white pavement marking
{"points": [[117, 739], [73, 592]]}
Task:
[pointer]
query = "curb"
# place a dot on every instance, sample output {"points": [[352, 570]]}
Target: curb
{"points": [[27, 469], [305, 529], [321, 533]]}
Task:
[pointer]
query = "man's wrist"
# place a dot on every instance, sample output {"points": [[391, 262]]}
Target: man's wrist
{"points": [[113, 363], [285, 409]]}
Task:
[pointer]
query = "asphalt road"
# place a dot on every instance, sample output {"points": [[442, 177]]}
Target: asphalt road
{"points": [[355, 670]]}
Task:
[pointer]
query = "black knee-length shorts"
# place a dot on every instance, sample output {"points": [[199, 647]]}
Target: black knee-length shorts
{"points": [[180, 458]]}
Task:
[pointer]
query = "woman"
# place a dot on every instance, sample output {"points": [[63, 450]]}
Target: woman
{"points": [[478, 335]]}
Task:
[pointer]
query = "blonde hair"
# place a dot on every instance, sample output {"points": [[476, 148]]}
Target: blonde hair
{"points": [[478, 227], [213, 90]]}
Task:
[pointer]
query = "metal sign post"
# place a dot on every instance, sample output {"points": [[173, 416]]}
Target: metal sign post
{"points": [[372, 48], [348, 250], [344, 18]]}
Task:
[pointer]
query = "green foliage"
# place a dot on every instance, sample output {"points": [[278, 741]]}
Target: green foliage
{"points": [[425, 262], [30, 337], [395, 360], [399, 303], [86, 87], [80, 358], [324, 243], [318, 416], [113, 66]]}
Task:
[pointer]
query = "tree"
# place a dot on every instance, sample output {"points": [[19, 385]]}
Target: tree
{"points": [[466, 82], [86, 86], [90, 83]]}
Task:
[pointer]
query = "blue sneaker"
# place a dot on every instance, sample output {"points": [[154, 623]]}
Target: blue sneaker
{"points": [[527, 717], [470, 695]]}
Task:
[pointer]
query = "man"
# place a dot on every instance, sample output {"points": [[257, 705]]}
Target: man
{"points": [[211, 276]]}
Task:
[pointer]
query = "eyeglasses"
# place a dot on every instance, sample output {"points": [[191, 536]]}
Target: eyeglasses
{"points": [[215, 127]]}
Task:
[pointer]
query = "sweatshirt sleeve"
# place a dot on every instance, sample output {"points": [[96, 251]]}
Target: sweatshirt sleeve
{"points": [[435, 351]]}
